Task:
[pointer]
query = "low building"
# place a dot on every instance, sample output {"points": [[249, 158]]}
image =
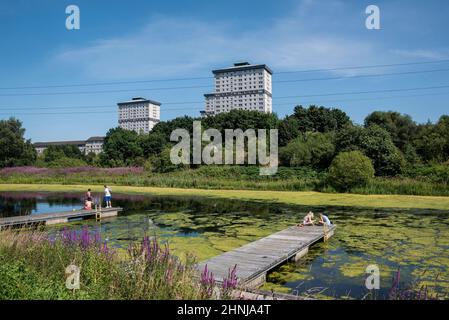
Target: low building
{"points": [[94, 145], [139, 114], [91, 145]]}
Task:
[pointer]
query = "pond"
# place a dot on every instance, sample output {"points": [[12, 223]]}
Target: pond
{"points": [[416, 241]]}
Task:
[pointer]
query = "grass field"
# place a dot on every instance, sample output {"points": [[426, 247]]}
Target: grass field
{"points": [[287, 197], [238, 178]]}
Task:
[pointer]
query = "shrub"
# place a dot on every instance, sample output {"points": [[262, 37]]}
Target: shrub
{"points": [[148, 166], [350, 169], [53, 153], [312, 149], [162, 162], [438, 173]]}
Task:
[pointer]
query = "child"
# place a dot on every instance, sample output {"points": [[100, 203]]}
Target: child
{"points": [[307, 221], [87, 205]]}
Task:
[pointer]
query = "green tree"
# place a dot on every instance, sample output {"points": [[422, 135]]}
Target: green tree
{"points": [[348, 138], [401, 128], [350, 169], [91, 158], [162, 162], [377, 144], [55, 152], [241, 119], [432, 142], [288, 130], [165, 128], [320, 119], [152, 143], [121, 148], [14, 149], [311, 149]]}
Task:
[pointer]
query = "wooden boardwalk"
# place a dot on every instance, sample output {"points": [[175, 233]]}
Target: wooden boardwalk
{"points": [[255, 259], [58, 217]]}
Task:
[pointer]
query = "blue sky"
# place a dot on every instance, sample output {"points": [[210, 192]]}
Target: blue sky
{"points": [[162, 40]]}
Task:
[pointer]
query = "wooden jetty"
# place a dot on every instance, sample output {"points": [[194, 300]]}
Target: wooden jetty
{"points": [[255, 259], [58, 217]]}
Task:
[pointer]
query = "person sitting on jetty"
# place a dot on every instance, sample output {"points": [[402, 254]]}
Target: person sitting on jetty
{"points": [[324, 220], [87, 205], [307, 221]]}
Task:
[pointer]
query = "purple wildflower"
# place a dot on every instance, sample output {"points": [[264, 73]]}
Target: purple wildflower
{"points": [[207, 281], [120, 171], [230, 282]]}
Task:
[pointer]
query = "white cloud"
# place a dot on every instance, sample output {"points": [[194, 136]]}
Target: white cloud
{"points": [[167, 47]]}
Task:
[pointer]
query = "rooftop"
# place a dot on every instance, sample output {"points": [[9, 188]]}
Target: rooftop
{"points": [[58, 143], [95, 139], [241, 66], [61, 143], [139, 100]]}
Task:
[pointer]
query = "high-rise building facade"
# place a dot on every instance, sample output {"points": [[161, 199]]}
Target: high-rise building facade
{"points": [[243, 86], [139, 114]]}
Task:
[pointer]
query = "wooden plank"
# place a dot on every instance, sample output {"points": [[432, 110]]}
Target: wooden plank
{"points": [[255, 259], [57, 217]]}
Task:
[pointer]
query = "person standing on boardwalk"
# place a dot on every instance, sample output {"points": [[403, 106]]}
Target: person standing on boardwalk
{"points": [[107, 196]]}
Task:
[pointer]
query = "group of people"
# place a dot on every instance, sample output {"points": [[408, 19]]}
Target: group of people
{"points": [[88, 201], [309, 220]]}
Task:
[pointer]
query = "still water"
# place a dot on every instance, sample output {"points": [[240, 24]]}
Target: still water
{"points": [[415, 241]]}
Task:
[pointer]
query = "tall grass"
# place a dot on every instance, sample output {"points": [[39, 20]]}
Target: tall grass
{"points": [[32, 266], [405, 186], [213, 177], [413, 290], [223, 177]]}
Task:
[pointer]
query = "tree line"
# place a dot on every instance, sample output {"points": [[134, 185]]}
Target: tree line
{"points": [[314, 137]]}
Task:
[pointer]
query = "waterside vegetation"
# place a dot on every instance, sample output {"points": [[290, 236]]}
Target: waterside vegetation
{"points": [[34, 266], [286, 197], [396, 155]]}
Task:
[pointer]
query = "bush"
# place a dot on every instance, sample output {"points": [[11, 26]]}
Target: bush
{"points": [[148, 166], [438, 173], [162, 163], [349, 170], [53, 153], [312, 149], [65, 162]]}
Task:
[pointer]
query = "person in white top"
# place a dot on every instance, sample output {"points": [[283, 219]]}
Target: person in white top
{"points": [[107, 196]]}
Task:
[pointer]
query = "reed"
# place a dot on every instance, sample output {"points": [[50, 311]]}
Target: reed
{"points": [[224, 177], [32, 266]]}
